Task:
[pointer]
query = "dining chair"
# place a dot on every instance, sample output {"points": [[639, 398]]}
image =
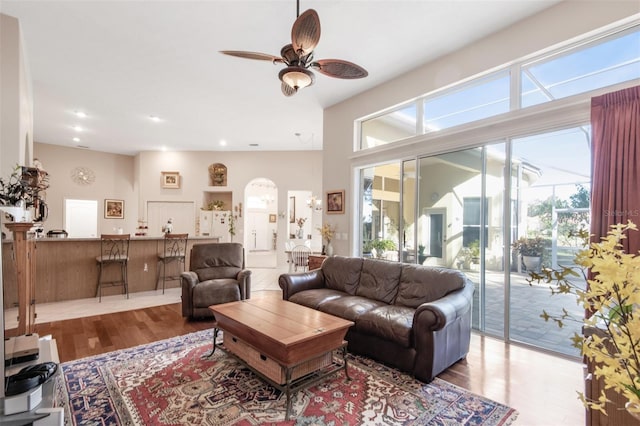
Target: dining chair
{"points": [[300, 257]]}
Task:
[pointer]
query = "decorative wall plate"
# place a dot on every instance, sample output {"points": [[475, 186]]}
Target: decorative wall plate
{"points": [[83, 176]]}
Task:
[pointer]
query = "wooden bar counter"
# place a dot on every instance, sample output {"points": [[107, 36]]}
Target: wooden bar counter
{"points": [[66, 268]]}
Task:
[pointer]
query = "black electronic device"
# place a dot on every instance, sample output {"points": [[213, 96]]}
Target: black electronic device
{"points": [[29, 377]]}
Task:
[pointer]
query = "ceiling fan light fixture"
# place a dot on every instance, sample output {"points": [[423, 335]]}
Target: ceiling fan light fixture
{"points": [[296, 77]]}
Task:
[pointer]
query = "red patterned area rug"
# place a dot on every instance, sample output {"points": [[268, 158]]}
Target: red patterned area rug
{"points": [[170, 383]]}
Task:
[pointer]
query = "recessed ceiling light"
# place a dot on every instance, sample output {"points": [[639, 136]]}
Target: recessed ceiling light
{"points": [[155, 118], [76, 139], [80, 114], [223, 142], [77, 128]]}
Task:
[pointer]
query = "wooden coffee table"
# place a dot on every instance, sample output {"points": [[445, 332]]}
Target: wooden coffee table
{"points": [[289, 345]]}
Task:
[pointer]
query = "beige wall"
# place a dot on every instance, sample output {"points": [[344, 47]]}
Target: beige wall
{"points": [[557, 24], [114, 179], [289, 171], [136, 180], [16, 115], [16, 104]]}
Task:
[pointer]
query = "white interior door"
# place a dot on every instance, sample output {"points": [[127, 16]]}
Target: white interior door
{"points": [[81, 218], [260, 238]]}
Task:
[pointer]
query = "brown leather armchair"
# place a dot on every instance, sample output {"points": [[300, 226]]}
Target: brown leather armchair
{"points": [[217, 275]]}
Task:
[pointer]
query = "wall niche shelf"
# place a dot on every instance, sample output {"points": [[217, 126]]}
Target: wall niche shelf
{"points": [[224, 196]]}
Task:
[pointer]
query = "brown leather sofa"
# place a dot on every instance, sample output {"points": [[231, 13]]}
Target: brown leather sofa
{"points": [[217, 275], [415, 318]]}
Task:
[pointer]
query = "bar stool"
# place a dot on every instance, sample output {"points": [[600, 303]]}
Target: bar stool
{"points": [[175, 249], [114, 250]]}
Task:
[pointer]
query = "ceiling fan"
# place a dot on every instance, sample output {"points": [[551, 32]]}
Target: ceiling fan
{"points": [[298, 56]]}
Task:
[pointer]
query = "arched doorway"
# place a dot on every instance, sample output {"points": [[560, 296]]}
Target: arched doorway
{"points": [[261, 223]]}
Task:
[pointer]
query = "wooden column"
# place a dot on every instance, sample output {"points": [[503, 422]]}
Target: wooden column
{"points": [[25, 261]]}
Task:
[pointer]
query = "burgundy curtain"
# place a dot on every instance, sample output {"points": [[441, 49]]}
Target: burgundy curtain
{"points": [[615, 163]]}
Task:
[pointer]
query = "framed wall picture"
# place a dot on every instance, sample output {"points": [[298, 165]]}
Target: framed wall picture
{"points": [[292, 209], [171, 180], [335, 201], [114, 209], [272, 218]]}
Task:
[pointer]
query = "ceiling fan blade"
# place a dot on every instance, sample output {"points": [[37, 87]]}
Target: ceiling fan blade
{"points": [[305, 33], [339, 69], [252, 55], [287, 90]]}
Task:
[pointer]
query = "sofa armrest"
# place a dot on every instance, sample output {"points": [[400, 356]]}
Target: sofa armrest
{"points": [[296, 282], [188, 280], [442, 332], [436, 315], [244, 278]]}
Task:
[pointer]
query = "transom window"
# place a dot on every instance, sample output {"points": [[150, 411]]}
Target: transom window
{"points": [[580, 69]]}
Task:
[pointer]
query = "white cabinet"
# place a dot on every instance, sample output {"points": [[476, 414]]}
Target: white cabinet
{"points": [[206, 217], [215, 223]]}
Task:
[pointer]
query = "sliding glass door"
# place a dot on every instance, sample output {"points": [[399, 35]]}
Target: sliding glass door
{"points": [[380, 216], [552, 173], [459, 210]]}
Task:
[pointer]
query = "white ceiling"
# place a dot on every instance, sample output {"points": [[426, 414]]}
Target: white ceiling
{"points": [[122, 61]]}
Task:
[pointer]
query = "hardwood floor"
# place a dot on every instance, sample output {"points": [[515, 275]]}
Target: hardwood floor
{"points": [[540, 386], [82, 337]]}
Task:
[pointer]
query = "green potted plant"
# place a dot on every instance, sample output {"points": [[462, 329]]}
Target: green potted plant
{"points": [[380, 246], [474, 248], [216, 205], [14, 190], [21, 190], [421, 256], [232, 226], [469, 254], [300, 222], [327, 232], [531, 251]]}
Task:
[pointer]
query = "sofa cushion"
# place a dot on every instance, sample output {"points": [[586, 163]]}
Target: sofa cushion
{"points": [[423, 284], [349, 307], [390, 322], [342, 273], [379, 280], [214, 292], [314, 298]]}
